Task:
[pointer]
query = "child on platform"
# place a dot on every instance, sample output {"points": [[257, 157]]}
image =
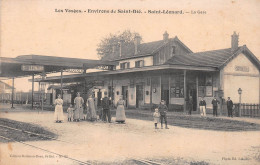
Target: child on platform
{"points": [[156, 117], [70, 112]]}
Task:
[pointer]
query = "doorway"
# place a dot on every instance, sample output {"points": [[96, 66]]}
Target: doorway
{"points": [[125, 94], [165, 89], [193, 95], [99, 95], [139, 95]]}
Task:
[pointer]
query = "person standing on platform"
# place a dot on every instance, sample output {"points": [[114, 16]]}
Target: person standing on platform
{"points": [[163, 109], [202, 105], [78, 102], [156, 117], [70, 112], [106, 108], [229, 107], [91, 105], [120, 111], [58, 114], [215, 103]]}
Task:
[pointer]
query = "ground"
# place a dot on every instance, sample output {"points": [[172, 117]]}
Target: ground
{"points": [[110, 143]]}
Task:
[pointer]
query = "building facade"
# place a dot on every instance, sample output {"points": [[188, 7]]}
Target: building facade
{"points": [[147, 73]]}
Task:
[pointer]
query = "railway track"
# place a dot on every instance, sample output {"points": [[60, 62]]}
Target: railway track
{"points": [[146, 162], [138, 161], [36, 134], [42, 149]]}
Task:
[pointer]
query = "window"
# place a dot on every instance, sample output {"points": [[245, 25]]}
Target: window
{"points": [[177, 86], [173, 49], [156, 59], [139, 63], [205, 85], [124, 65]]}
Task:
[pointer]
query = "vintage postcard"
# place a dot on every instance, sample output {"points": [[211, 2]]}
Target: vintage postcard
{"points": [[141, 82]]}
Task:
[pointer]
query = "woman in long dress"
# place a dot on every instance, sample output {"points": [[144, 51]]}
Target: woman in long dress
{"points": [[58, 114], [91, 105], [78, 113], [120, 111]]}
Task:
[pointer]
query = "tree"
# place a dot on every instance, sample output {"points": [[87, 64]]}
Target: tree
{"points": [[105, 47]]}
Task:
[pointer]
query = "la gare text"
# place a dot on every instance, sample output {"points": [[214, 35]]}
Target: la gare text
{"points": [[129, 11]]}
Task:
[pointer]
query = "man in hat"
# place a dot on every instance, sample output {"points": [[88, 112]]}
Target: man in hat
{"points": [[163, 113], [202, 105], [106, 108], [230, 107]]}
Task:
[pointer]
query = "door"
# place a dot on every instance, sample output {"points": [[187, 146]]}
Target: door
{"points": [[165, 96], [139, 95], [125, 94], [165, 89], [194, 99]]}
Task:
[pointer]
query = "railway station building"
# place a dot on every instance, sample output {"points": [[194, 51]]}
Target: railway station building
{"points": [[146, 73]]}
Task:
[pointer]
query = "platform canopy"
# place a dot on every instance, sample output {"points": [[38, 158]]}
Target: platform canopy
{"points": [[26, 65]]}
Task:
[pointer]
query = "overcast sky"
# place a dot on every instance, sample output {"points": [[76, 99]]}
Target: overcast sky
{"points": [[33, 27]]}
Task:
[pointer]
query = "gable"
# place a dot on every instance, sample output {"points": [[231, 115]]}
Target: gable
{"points": [[241, 64], [171, 49], [145, 49]]}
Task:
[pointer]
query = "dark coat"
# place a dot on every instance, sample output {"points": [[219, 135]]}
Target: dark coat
{"points": [[162, 109], [215, 102], [229, 104], [105, 103], [202, 103]]}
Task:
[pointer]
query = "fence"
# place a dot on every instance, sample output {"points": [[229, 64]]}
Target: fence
{"points": [[250, 110]]}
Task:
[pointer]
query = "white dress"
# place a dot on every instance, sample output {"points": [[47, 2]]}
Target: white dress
{"points": [[58, 114]]}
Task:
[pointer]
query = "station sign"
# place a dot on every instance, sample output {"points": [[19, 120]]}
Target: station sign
{"points": [[74, 70], [32, 68]]}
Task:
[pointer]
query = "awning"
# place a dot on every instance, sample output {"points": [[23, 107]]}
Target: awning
{"points": [[12, 67]]}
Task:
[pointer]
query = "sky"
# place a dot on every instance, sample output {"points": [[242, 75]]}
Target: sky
{"points": [[33, 26]]}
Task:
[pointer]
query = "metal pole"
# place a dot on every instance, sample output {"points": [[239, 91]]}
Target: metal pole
{"points": [[151, 96], [32, 88], [13, 94], [61, 83], [42, 94], [185, 90], [112, 92], [240, 105], [39, 96]]}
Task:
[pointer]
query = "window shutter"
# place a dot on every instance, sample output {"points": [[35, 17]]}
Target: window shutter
{"points": [[142, 63]]}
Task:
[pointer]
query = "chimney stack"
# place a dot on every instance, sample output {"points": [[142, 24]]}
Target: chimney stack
{"points": [[234, 42], [165, 36], [137, 43]]}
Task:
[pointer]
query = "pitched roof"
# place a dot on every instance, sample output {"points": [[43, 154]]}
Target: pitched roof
{"points": [[144, 49], [214, 58], [6, 85]]}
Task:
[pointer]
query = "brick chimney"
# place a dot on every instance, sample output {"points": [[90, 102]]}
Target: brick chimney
{"points": [[137, 42], [165, 36], [234, 42]]}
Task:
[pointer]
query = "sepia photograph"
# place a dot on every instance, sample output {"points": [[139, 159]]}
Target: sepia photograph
{"points": [[120, 82]]}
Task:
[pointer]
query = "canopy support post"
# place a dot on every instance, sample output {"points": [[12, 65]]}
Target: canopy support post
{"points": [[32, 88], [61, 83], [13, 94]]}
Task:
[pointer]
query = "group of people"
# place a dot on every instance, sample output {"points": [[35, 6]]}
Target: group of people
{"points": [[90, 112], [215, 102]]}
